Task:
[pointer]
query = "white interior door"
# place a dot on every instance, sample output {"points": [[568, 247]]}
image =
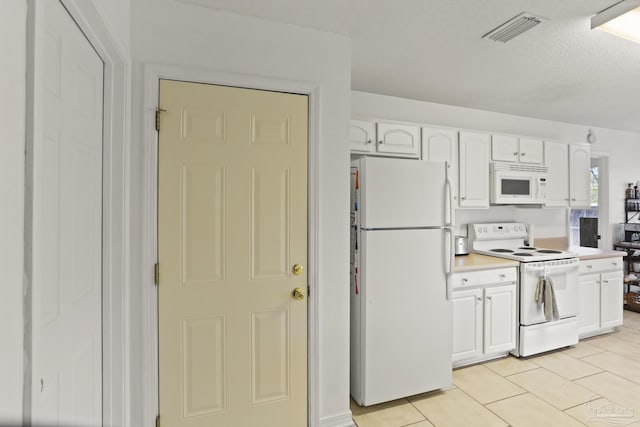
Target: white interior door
{"points": [[66, 235]]}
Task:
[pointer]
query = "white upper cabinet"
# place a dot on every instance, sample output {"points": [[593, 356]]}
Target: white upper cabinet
{"points": [[362, 136], [531, 151], [580, 179], [441, 145], [474, 149], [398, 139], [504, 148], [556, 158], [568, 177], [507, 148]]}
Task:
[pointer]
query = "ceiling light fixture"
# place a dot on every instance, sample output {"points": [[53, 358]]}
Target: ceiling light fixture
{"points": [[622, 19]]}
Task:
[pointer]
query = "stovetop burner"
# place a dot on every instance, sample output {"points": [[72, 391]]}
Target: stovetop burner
{"points": [[501, 250], [549, 251], [523, 254]]}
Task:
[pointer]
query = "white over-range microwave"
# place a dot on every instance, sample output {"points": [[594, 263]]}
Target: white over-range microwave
{"points": [[517, 184]]}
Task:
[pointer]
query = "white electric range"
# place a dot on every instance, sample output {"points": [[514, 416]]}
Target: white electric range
{"points": [[537, 332]]}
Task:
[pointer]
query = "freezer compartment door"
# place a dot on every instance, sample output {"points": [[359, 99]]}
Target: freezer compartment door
{"points": [[406, 319], [397, 193]]}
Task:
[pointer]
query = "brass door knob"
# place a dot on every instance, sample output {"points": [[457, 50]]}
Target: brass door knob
{"points": [[297, 269], [298, 294]]}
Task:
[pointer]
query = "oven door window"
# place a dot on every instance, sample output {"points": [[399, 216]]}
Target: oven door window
{"points": [[515, 187]]}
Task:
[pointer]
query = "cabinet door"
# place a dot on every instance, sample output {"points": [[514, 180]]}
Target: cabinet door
{"points": [[580, 175], [504, 148], [611, 299], [589, 314], [467, 324], [474, 169], [398, 139], [499, 319], [531, 151], [361, 136], [556, 158], [441, 145]]}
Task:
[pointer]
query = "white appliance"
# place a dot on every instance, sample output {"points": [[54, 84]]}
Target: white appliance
{"points": [[401, 259], [536, 333], [514, 183]]}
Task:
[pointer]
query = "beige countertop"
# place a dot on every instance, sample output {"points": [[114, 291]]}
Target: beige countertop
{"points": [[480, 262], [484, 262], [594, 253], [584, 253]]}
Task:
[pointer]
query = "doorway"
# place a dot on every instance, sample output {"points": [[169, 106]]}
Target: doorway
{"points": [[232, 249], [588, 226]]}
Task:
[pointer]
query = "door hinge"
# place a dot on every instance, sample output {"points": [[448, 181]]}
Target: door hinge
{"points": [[157, 417], [308, 291], [158, 111], [156, 274]]}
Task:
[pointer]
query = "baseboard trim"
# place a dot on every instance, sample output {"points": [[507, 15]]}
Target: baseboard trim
{"points": [[341, 420]]}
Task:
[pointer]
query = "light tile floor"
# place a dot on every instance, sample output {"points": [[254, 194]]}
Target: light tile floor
{"points": [[595, 383]]}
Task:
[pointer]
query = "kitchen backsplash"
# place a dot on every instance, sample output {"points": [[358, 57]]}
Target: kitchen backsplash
{"points": [[548, 222]]}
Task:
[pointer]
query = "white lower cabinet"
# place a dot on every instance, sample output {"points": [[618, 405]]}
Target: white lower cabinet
{"points": [[601, 291], [467, 324], [499, 319], [484, 315]]}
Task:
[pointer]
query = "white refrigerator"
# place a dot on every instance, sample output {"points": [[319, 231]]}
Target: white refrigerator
{"points": [[401, 260]]}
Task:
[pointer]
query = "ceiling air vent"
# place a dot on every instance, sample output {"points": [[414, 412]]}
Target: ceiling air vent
{"points": [[513, 27]]}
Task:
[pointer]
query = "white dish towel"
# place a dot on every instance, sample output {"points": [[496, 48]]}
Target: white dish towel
{"points": [[546, 296]]}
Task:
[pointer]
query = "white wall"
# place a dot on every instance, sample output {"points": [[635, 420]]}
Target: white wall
{"points": [[622, 147], [13, 33], [116, 15], [168, 32]]}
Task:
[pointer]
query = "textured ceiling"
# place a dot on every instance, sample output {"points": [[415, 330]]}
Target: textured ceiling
{"points": [[432, 50]]}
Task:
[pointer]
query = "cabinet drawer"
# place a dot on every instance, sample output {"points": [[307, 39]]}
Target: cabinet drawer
{"points": [[600, 264], [484, 277]]}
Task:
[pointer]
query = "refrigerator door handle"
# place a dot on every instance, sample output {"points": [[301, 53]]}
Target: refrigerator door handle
{"points": [[449, 199], [448, 268]]}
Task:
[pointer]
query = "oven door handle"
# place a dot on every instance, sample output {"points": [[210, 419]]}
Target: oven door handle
{"points": [[552, 269]]}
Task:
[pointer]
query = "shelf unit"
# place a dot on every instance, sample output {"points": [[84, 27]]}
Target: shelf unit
{"points": [[629, 260], [631, 213], [631, 207]]}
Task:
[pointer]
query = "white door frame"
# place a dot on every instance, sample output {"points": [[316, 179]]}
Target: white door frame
{"points": [[115, 211], [152, 75]]}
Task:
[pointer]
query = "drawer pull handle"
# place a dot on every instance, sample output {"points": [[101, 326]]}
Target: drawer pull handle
{"points": [[465, 280], [589, 266], [502, 276], [488, 299]]}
